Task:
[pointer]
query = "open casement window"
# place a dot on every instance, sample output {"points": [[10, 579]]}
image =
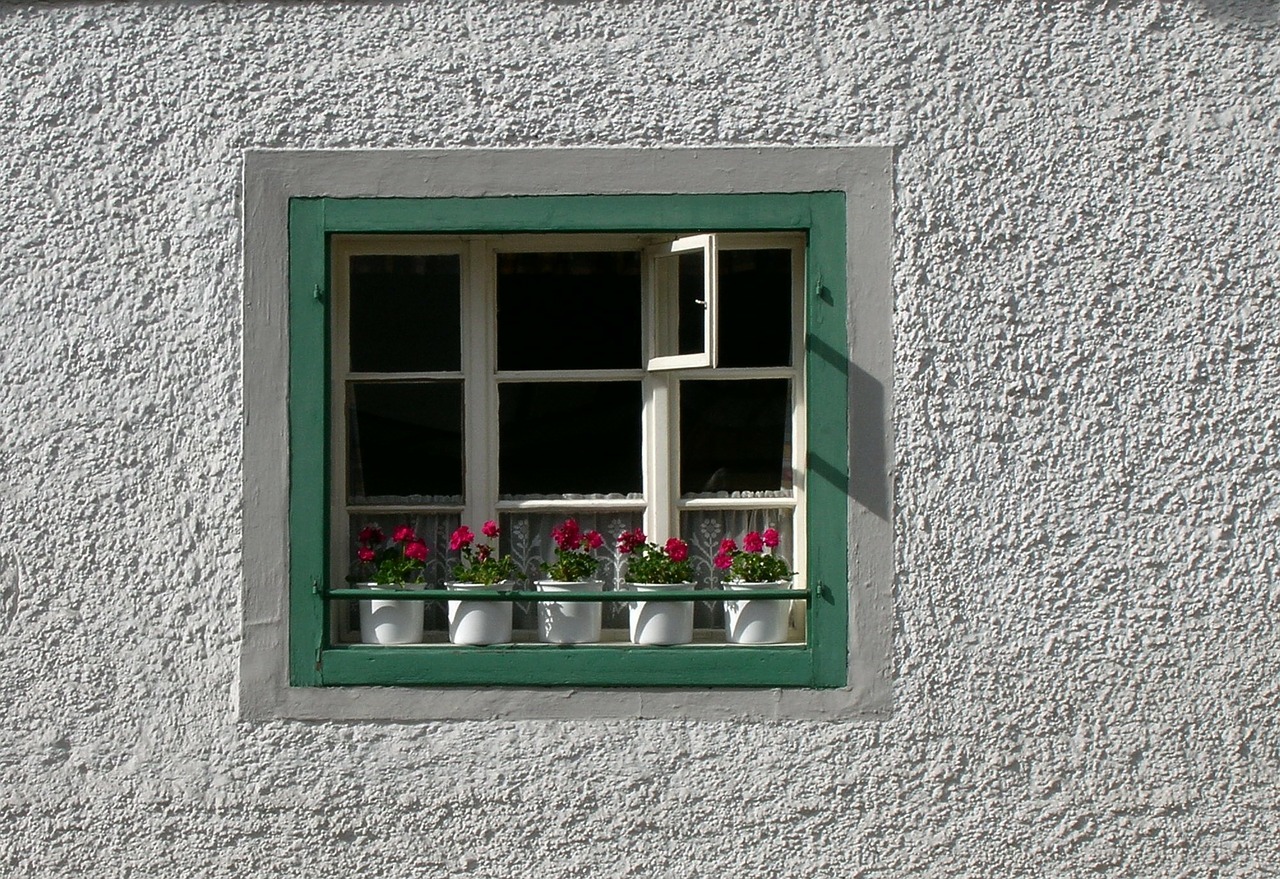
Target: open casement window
{"points": [[620, 371], [682, 302]]}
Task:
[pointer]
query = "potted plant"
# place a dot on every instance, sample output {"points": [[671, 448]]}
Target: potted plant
{"points": [[755, 620], [479, 567], [574, 570], [390, 564], [654, 568]]}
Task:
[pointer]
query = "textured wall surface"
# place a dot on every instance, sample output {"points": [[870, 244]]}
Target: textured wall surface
{"points": [[1087, 367]]}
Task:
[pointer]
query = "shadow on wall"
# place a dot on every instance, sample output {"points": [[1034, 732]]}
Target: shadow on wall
{"points": [[868, 479]]}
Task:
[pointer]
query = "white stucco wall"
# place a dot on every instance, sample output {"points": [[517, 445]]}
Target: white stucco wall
{"points": [[1087, 336]]}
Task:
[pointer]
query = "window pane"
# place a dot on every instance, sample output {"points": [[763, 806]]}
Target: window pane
{"points": [[435, 529], [755, 307], [679, 307], [704, 529], [404, 313], [404, 442], [526, 537], [735, 436], [569, 438], [569, 310]]}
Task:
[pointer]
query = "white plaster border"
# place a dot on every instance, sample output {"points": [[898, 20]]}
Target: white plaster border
{"points": [[272, 177]]}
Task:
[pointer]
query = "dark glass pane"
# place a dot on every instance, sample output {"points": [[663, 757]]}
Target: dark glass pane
{"points": [[404, 313], [679, 310], [404, 441], [735, 436], [569, 310], [755, 308], [693, 310], [569, 438]]}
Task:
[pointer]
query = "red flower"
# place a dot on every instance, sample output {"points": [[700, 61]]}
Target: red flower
{"points": [[461, 538], [727, 545], [483, 551], [677, 549], [371, 534], [629, 540], [567, 536], [366, 554], [416, 550], [403, 534], [723, 561], [489, 529], [593, 539], [771, 537], [753, 542]]}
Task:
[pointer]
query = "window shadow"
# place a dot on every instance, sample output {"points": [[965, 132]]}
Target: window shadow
{"points": [[868, 479]]}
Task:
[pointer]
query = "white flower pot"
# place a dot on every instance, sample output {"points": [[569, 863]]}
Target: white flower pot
{"points": [[756, 620], [478, 622], [569, 622], [393, 621], [661, 622]]}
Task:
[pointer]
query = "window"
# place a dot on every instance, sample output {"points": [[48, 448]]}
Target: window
{"points": [[769, 412], [547, 416], [654, 377]]}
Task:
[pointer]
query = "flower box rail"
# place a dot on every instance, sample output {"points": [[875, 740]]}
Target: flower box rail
{"points": [[531, 595]]}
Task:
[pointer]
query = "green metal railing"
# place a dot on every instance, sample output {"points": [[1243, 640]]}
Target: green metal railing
{"points": [[531, 595]]}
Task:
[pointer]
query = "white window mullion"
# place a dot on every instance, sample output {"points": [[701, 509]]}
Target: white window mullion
{"points": [[799, 432], [660, 514]]}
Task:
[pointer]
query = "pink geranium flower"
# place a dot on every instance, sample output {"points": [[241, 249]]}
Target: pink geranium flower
{"points": [[403, 534], [416, 549], [371, 534], [594, 540], [723, 561], [727, 545], [771, 537], [567, 536], [753, 542], [489, 529], [366, 554], [629, 540], [677, 549], [461, 539]]}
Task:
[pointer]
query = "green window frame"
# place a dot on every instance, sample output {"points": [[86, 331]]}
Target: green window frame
{"points": [[821, 662]]}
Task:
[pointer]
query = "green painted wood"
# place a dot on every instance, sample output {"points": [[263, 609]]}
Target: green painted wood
{"points": [[308, 490], [566, 665], [529, 595], [820, 663], [827, 485], [586, 213]]}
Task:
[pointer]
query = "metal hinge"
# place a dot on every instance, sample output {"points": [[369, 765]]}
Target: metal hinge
{"points": [[318, 293]]}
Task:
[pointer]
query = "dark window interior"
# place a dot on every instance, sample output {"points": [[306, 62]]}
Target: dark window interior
{"points": [[734, 435], [405, 313], [755, 308], [569, 310], [404, 439], [569, 437]]}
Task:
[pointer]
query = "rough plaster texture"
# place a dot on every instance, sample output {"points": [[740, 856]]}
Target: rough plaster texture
{"points": [[1087, 331]]}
